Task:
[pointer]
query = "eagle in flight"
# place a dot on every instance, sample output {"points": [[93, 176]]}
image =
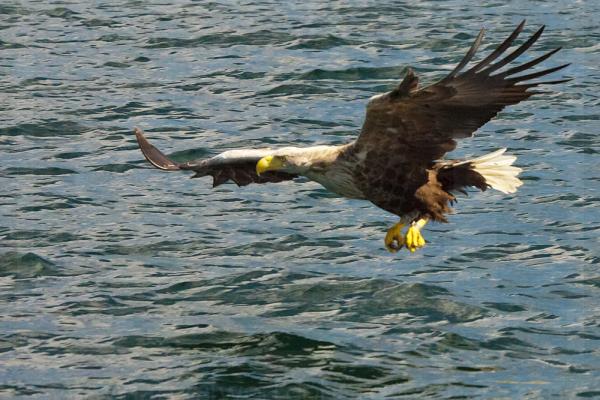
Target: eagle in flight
{"points": [[396, 162]]}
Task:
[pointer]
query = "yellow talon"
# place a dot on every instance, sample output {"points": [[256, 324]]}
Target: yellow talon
{"points": [[414, 239], [393, 238]]}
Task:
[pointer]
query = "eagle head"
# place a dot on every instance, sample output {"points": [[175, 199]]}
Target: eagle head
{"points": [[300, 161], [290, 163]]}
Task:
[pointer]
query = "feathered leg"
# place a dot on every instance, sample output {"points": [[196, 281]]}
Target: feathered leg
{"points": [[394, 240]]}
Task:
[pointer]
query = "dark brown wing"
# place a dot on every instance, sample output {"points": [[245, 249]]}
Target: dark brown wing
{"points": [[239, 166], [420, 126]]}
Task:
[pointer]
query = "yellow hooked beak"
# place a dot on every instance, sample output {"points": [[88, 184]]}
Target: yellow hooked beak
{"points": [[268, 163]]}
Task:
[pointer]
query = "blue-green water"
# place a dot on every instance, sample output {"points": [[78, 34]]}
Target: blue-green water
{"points": [[117, 280]]}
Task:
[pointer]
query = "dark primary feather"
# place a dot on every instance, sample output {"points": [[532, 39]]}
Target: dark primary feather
{"points": [[467, 57], [242, 172], [420, 126], [500, 49]]}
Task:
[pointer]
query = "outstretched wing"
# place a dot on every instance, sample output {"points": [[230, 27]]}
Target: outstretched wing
{"points": [[236, 165], [420, 126]]}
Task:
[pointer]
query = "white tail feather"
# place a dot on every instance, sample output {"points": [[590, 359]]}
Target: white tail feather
{"points": [[498, 171]]}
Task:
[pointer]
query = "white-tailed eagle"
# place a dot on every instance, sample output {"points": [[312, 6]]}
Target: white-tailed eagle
{"points": [[397, 160]]}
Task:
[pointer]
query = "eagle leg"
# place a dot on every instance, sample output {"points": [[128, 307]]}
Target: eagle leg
{"points": [[394, 240], [414, 240]]}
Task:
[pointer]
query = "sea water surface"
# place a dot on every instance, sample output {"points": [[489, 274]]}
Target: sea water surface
{"points": [[121, 281]]}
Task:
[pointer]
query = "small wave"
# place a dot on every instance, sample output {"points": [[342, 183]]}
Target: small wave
{"points": [[26, 265], [46, 129], [38, 171], [355, 74], [118, 168], [322, 43], [224, 39], [295, 89], [60, 12], [7, 45], [116, 64], [71, 154]]}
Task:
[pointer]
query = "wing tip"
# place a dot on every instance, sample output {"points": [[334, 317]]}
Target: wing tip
{"points": [[537, 74], [467, 57], [152, 154]]}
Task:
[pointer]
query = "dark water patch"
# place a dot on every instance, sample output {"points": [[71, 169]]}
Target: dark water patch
{"points": [[23, 339], [66, 346], [572, 199], [71, 154], [589, 394], [61, 12], [518, 348], [582, 117], [567, 294], [322, 43], [224, 388], [520, 251], [132, 109], [451, 342], [48, 206], [436, 390], [41, 236], [45, 129], [541, 317], [355, 74], [360, 372], [245, 380], [7, 45], [541, 331], [311, 122], [12, 9], [40, 81], [235, 73], [478, 369], [154, 394], [15, 171], [506, 307], [99, 22], [192, 87], [284, 244], [581, 140], [26, 265], [568, 226], [154, 248], [295, 89], [223, 39], [49, 201], [101, 304], [116, 64], [118, 168], [595, 281], [113, 37], [215, 341], [20, 390]]}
